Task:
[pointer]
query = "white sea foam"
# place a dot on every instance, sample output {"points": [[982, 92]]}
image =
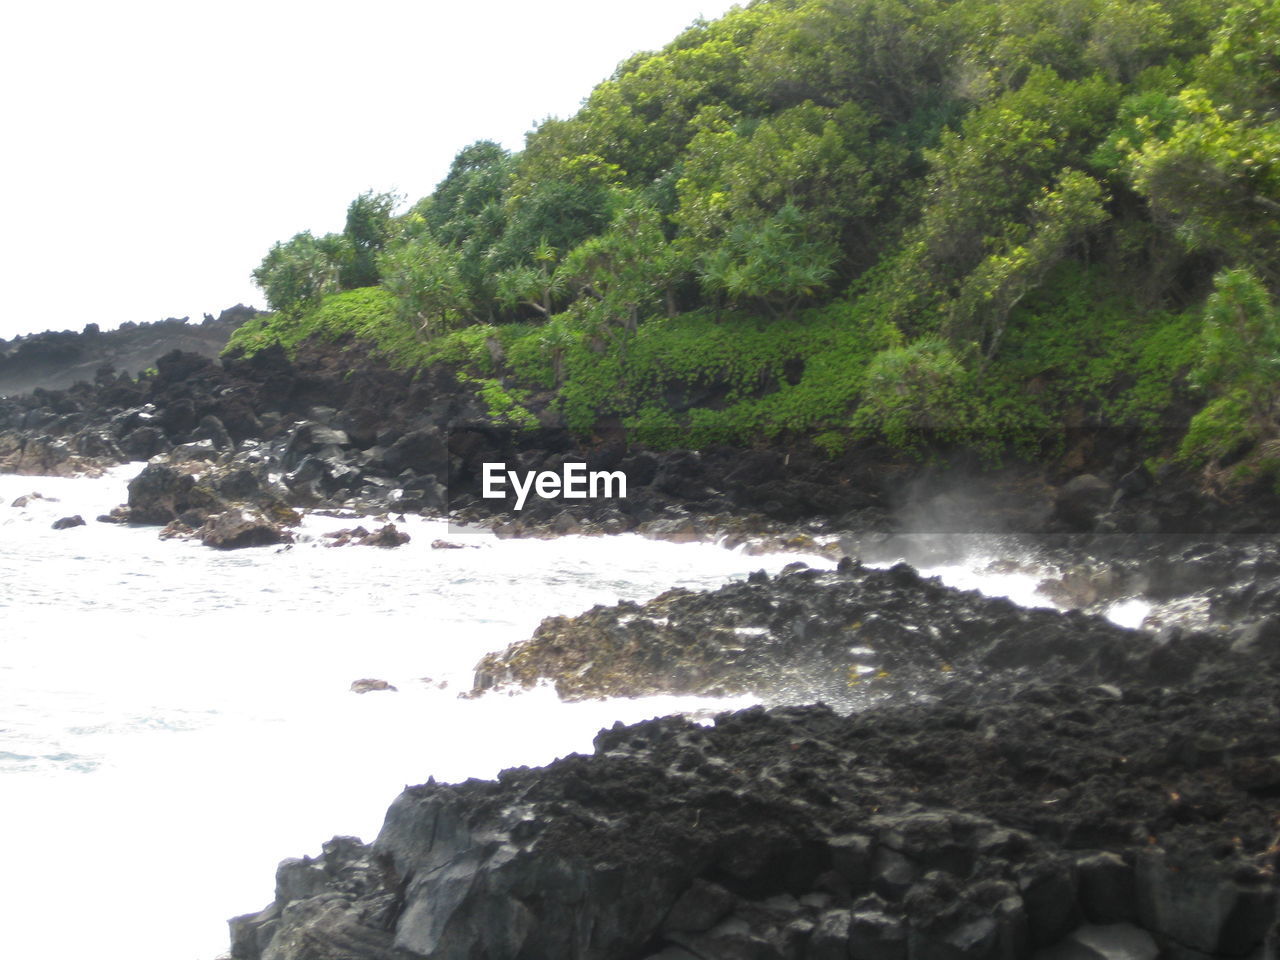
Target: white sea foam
{"points": [[174, 721]]}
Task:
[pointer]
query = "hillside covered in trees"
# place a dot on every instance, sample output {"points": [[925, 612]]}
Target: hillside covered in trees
{"points": [[931, 224]]}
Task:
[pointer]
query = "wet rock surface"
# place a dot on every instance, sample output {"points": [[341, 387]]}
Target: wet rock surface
{"points": [[236, 529], [385, 536], [850, 637]]}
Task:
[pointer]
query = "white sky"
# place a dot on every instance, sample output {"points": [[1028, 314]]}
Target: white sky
{"points": [[151, 152]]}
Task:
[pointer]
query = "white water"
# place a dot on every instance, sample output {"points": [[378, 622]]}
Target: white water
{"points": [[174, 721]]}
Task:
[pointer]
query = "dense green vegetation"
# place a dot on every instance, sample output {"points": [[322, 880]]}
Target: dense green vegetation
{"points": [[926, 222]]}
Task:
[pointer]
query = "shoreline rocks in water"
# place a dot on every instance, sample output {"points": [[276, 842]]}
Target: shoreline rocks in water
{"points": [[978, 827], [340, 428], [385, 536], [1063, 784], [849, 637]]}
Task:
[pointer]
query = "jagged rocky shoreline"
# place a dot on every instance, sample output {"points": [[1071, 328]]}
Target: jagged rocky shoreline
{"points": [[860, 635], [338, 429], [1007, 779], [979, 826]]}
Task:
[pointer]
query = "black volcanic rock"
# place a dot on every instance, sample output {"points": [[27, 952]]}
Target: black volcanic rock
{"points": [[852, 636], [236, 529], [981, 827]]}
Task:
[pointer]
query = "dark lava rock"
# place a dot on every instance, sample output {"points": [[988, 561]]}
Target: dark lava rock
{"points": [[422, 451], [161, 492], [850, 637], [46, 456], [194, 492], [1081, 500], [236, 529], [734, 840], [309, 437], [143, 443], [387, 536], [65, 523], [212, 429]]}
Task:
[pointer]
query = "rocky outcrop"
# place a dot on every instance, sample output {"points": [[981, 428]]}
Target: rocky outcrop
{"points": [[849, 637], [1004, 819], [370, 685], [385, 536], [346, 431], [227, 503], [44, 456], [1025, 781], [236, 529]]}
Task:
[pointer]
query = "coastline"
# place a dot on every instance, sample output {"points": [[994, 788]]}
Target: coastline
{"points": [[863, 834]]}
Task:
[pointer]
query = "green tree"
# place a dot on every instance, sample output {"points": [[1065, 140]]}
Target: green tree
{"points": [[778, 262], [1239, 365], [913, 393], [1216, 179], [628, 271], [1059, 219], [537, 286], [560, 213], [294, 275], [369, 226], [1240, 344], [424, 278]]}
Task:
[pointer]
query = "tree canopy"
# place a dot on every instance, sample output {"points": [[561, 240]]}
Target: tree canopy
{"points": [[937, 165]]}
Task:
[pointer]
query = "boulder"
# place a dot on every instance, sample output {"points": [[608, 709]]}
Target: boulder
{"points": [[387, 536], [143, 443], [99, 444], [236, 529], [158, 494], [1107, 893], [310, 437], [1081, 500], [368, 685], [1203, 905], [1116, 941], [212, 429], [422, 451]]}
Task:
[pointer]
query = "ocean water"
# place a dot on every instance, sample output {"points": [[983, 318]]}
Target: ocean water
{"points": [[174, 721]]}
